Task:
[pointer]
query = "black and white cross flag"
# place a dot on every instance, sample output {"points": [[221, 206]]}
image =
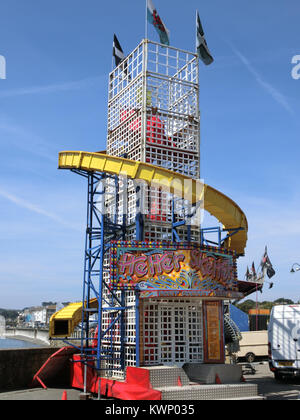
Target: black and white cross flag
{"points": [[202, 48], [117, 51], [266, 264]]}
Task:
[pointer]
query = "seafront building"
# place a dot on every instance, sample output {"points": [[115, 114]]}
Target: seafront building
{"points": [[36, 315]]}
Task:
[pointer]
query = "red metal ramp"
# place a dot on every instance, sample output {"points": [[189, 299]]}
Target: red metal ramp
{"points": [[54, 367]]}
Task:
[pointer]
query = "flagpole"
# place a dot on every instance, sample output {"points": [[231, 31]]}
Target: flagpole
{"points": [[112, 57], [196, 39], [146, 20], [256, 320]]}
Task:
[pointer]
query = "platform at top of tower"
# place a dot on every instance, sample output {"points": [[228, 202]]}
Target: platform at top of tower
{"points": [[151, 58]]}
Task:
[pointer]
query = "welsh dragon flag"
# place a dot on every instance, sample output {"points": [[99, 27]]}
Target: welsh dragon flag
{"points": [[156, 21]]}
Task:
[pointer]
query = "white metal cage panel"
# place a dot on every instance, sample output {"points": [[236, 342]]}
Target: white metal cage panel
{"points": [[167, 62], [156, 231], [176, 135], [184, 162], [112, 368], [169, 337], [123, 75], [150, 333], [125, 138], [112, 341], [153, 98], [172, 95], [172, 62]]}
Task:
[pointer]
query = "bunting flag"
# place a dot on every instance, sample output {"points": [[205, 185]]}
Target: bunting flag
{"points": [[155, 20], [266, 264], [117, 51], [202, 48]]}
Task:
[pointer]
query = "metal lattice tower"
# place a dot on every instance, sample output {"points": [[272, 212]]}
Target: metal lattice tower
{"points": [[153, 117], [147, 318]]}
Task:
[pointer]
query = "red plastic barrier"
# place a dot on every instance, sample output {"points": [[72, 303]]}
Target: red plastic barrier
{"points": [[77, 375], [137, 385]]}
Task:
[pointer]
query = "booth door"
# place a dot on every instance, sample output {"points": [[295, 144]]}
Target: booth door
{"points": [[214, 347], [172, 334], [177, 334]]}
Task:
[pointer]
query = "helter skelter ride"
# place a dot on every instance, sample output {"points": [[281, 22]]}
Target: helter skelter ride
{"points": [[154, 278]]}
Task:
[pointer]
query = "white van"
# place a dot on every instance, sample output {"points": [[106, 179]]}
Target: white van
{"points": [[253, 346], [284, 340]]}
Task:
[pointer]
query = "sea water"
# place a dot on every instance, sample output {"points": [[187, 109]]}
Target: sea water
{"points": [[10, 343], [2, 326]]}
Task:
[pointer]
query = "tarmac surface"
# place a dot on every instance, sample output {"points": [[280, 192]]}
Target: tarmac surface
{"points": [[40, 394], [271, 389], [288, 389]]}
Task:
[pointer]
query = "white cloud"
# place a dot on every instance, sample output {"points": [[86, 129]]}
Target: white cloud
{"points": [[26, 140], [271, 90], [35, 209], [53, 88]]}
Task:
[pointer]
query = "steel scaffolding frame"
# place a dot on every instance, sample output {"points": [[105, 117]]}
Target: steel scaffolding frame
{"points": [[103, 226], [101, 229]]}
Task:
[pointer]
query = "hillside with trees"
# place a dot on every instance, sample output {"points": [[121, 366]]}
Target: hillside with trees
{"points": [[251, 304], [9, 313]]}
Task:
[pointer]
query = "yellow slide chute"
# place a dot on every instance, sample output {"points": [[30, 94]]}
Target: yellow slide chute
{"points": [[64, 321], [217, 204]]}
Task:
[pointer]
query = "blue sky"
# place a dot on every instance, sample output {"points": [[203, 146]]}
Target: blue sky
{"points": [[58, 57]]}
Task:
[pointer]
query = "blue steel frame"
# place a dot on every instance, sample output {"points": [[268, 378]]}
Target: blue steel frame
{"points": [[204, 232], [218, 232], [100, 231]]}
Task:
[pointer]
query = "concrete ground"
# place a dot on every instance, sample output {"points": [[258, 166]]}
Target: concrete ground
{"points": [[271, 389], [288, 389], [37, 394]]}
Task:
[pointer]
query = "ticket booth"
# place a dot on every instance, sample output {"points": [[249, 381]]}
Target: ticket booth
{"points": [[180, 290]]}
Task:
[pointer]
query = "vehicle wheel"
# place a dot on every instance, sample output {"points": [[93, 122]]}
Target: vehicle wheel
{"points": [[250, 357], [278, 375]]}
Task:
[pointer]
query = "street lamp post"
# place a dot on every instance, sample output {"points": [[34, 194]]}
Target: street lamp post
{"points": [[293, 270]]}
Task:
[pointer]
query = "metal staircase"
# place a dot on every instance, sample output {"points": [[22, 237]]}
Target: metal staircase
{"points": [[167, 380]]}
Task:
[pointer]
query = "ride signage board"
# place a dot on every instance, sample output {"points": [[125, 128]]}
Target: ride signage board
{"points": [[164, 269]]}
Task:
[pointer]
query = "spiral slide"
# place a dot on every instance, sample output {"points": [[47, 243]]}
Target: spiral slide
{"points": [[228, 213], [217, 204]]}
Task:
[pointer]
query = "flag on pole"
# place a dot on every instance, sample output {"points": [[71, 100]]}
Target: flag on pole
{"points": [[254, 276], [266, 264], [201, 44], [247, 274], [155, 20], [117, 51], [120, 57]]}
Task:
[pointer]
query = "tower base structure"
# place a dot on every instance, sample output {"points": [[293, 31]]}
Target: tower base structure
{"points": [[168, 383], [155, 303]]}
